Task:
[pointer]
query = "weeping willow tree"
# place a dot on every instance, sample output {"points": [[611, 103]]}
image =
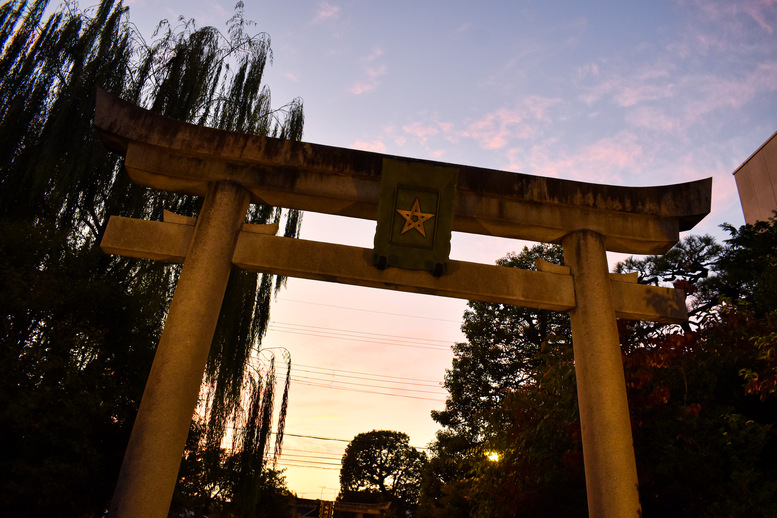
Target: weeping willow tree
{"points": [[58, 186], [241, 479]]}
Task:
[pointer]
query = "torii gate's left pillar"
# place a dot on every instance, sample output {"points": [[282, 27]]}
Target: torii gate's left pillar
{"points": [[152, 460]]}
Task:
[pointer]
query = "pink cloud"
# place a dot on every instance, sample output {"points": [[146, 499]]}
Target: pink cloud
{"points": [[376, 72], [718, 94], [376, 146], [601, 162], [655, 119], [701, 96], [420, 130], [538, 106], [361, 88], [614, 153], [590, 69], [326, 11], [373, 73], [497, 129], [756, 11], [494, 130], [445, 127], [649, 85], [292, 76], [630, 95], [376, 53], [732, 21]]}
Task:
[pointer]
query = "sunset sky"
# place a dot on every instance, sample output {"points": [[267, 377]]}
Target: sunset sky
{"points": [[624, 92]]}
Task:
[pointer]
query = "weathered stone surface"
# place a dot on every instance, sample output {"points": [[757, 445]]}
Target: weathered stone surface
{"points": [[170, 155], [151, 462], [610, 467], [550, 288]]}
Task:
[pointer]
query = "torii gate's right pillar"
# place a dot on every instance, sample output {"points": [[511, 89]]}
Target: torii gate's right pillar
{"points": [[608, 449]]}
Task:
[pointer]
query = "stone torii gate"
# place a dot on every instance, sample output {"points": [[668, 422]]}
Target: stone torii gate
{"points": [[231, 170]]}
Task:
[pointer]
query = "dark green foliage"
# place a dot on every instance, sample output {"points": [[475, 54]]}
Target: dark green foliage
{"points": [[52, 166], [702, 400], [687, 266], [381, 466], [511, 390], [74, 362], [535, 432], [749, 266], [705, 445], [205, 491], [506, 348], [79, 327]]}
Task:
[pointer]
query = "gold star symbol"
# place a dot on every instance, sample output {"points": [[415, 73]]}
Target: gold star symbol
{"points": [[414, 218]]}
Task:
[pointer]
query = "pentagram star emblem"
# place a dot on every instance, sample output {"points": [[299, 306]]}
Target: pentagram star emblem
{"points": [[414, 218]]}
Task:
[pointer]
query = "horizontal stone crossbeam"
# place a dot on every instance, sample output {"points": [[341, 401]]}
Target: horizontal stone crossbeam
{"points": [[171, 155], [256, 251]]}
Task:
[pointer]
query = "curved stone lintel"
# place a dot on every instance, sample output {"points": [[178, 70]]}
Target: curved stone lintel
{"points": [[167, 154]]}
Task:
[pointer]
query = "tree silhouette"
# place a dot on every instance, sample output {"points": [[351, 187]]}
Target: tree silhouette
{"points": [[381, 466], [79, 327], [702, 398]]}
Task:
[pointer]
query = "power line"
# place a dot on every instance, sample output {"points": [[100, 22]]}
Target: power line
{"points": [[306, 466], [328, 378], [301, 456], [329, 375], [325, 380], [335, 385], [402, 378], [370, 311], [321, 385], [354, 338], [352, 332], [391, 384], [324, 454], [330, 382], [287, 434], [369, 377]]}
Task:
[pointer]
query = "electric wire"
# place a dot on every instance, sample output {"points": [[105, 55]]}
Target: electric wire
{"points": [[322, 385], [323, 456], [332, 383], [352, 332], [307, 459], [404, 381], [370, 310], [397, 385], [353, 383], [303, 458], [308, 467], [360, 340], [319, 438], [362, 337], [327, 369], [287, 434]]}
